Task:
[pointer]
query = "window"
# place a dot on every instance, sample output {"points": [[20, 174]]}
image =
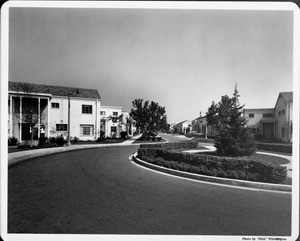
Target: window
{"points": [[87, 109], [115, 113], [268, 115], [279, 113], [283, 112], [113, 129], [86, 130], [102, 113], [251, 115], [61, 127], [55, 105]]}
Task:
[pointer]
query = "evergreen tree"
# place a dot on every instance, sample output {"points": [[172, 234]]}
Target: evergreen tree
{"points": [[233, 138]]}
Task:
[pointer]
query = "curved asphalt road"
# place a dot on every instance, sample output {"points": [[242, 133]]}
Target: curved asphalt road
{"points": [[100, 191]]}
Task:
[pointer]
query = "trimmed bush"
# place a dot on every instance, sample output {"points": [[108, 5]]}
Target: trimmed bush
{"points": [[59, 141], [74, 139], [43, 141], [285, 148], [123, 134], [228, 167], [172, 145], [12, 141]]}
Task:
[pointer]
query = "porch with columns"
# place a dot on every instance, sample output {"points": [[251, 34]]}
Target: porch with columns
{"points": [[27, 114]]}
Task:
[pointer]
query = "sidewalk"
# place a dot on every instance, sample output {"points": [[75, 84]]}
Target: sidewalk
{"points": [[17, 157]]}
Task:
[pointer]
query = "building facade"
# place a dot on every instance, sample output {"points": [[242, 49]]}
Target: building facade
{"points": [[114, 121], [182, 127], [273, 123], [200, 126], [43, 110]]}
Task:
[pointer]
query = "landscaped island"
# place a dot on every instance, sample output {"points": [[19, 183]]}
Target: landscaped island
{"points": [[256, 168]]}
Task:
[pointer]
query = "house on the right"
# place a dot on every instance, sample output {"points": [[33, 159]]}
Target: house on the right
{"points": [[273, 123]]}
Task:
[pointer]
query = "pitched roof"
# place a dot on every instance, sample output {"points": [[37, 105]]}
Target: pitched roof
{"points": [[287, 96], [53, 90], [181, 122]]}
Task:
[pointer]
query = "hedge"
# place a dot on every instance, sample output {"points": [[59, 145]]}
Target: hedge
{"points": [[172, 145], [285, 148], [227, 167]]}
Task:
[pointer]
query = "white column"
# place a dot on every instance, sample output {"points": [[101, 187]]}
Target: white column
{"points": [[10, 116], [39, 116], [20, 119], [48, 118], [96, 120]]}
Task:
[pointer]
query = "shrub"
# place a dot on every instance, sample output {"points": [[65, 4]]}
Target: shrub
{"points": [[43, 141], [25, 147], [123, 134], [59, 141], [100, 139], [74, 139], [172, 145], [12, 141], [229, 167], [285, 148]]}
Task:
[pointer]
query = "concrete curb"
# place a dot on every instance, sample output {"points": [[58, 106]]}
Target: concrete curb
{"points": [[226, 181]]}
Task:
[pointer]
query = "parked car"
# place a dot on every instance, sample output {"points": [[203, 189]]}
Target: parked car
{"points": [[150, 136]]}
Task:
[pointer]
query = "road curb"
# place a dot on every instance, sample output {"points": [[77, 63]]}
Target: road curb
{"points": [[219, 180]]}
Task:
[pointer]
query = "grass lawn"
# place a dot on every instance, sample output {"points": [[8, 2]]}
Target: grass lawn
{"points": [[266, 159], [272, 160]]}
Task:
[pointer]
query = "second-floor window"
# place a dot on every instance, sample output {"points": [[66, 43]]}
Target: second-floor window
{"points": [[87, 109], [269, 115], [115, 113], [283, 112], [251, 115], [102, 113], [55, 105], [61, 127]]}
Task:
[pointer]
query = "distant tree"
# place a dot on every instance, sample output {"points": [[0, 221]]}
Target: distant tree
{"points": [[233, 138], [149, 116]]}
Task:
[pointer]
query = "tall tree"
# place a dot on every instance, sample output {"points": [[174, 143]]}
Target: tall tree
{"points": [[149, 116], [233, 138]]}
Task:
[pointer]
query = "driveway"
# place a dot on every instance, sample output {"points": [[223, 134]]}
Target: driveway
{"points": [[100, 191]]}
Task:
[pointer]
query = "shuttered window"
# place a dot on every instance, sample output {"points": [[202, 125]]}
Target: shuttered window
{"points": [[86, 130]]}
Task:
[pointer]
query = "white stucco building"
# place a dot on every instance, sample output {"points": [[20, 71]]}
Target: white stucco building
{"points": [[114, 121], [182, 127], [200, 126], [47, 107], [273, 123]]}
